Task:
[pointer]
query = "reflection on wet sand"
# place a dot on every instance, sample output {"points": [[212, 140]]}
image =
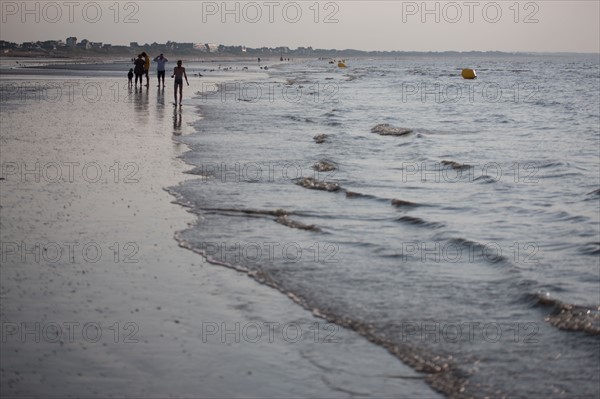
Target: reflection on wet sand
{"points": [[148, 115], [160, 104], [177, 121], [140, 104]]}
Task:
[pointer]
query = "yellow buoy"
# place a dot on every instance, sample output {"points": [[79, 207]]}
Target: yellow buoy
{"points": [[341, 65], [469, 74]]}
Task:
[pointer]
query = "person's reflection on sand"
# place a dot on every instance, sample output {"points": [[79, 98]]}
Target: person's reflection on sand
{"points": [[140, 101], [160, 104], [177, 121]]}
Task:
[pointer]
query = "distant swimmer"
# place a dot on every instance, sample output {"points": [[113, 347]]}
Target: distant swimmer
{"points": [[179, 74]]}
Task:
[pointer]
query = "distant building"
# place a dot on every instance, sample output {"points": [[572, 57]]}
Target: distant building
{"points": [[85, 44], [304, 50], [71, 41], [200, 47], [7, 45], [230, 49], [185, 46], [134, 45], [49, 44], [212, 48], [96, 45]]}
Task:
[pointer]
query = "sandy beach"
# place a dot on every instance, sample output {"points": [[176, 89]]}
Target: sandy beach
{"points": [[97, 298]]}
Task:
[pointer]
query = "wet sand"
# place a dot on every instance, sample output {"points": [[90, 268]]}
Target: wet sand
{"points": [[97, 298]]}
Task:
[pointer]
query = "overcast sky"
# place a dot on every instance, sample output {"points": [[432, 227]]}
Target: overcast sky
{"points": [[547, 25]]}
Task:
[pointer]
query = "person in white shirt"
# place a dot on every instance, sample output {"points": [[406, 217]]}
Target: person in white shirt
{"points": [[160, 68]]}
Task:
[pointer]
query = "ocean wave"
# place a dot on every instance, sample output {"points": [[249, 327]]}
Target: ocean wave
{"points": [[353, 194], [258, 212], [294, 81], [385, 129], [296, 118], [590, 248], [552, 164], [320, 138], [455, 165], [564, 216], [487, 252], [286, 221], [595, 193], [568, 317], [416, 221], [402, 203], [441, 371], [324, 166], [313, 184], [485, 179], [280, 216]]}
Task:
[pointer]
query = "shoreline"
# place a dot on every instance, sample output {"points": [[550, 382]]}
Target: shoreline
{"points": [[142, 286]]}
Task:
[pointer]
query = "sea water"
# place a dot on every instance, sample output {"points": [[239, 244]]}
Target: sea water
{"points": [[467, 245]]}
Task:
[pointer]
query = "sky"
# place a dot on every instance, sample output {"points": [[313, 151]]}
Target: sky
{"points": [[501, 25]]}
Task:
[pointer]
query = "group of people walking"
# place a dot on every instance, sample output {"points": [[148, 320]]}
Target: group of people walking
{"points": [[142, 67]]}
